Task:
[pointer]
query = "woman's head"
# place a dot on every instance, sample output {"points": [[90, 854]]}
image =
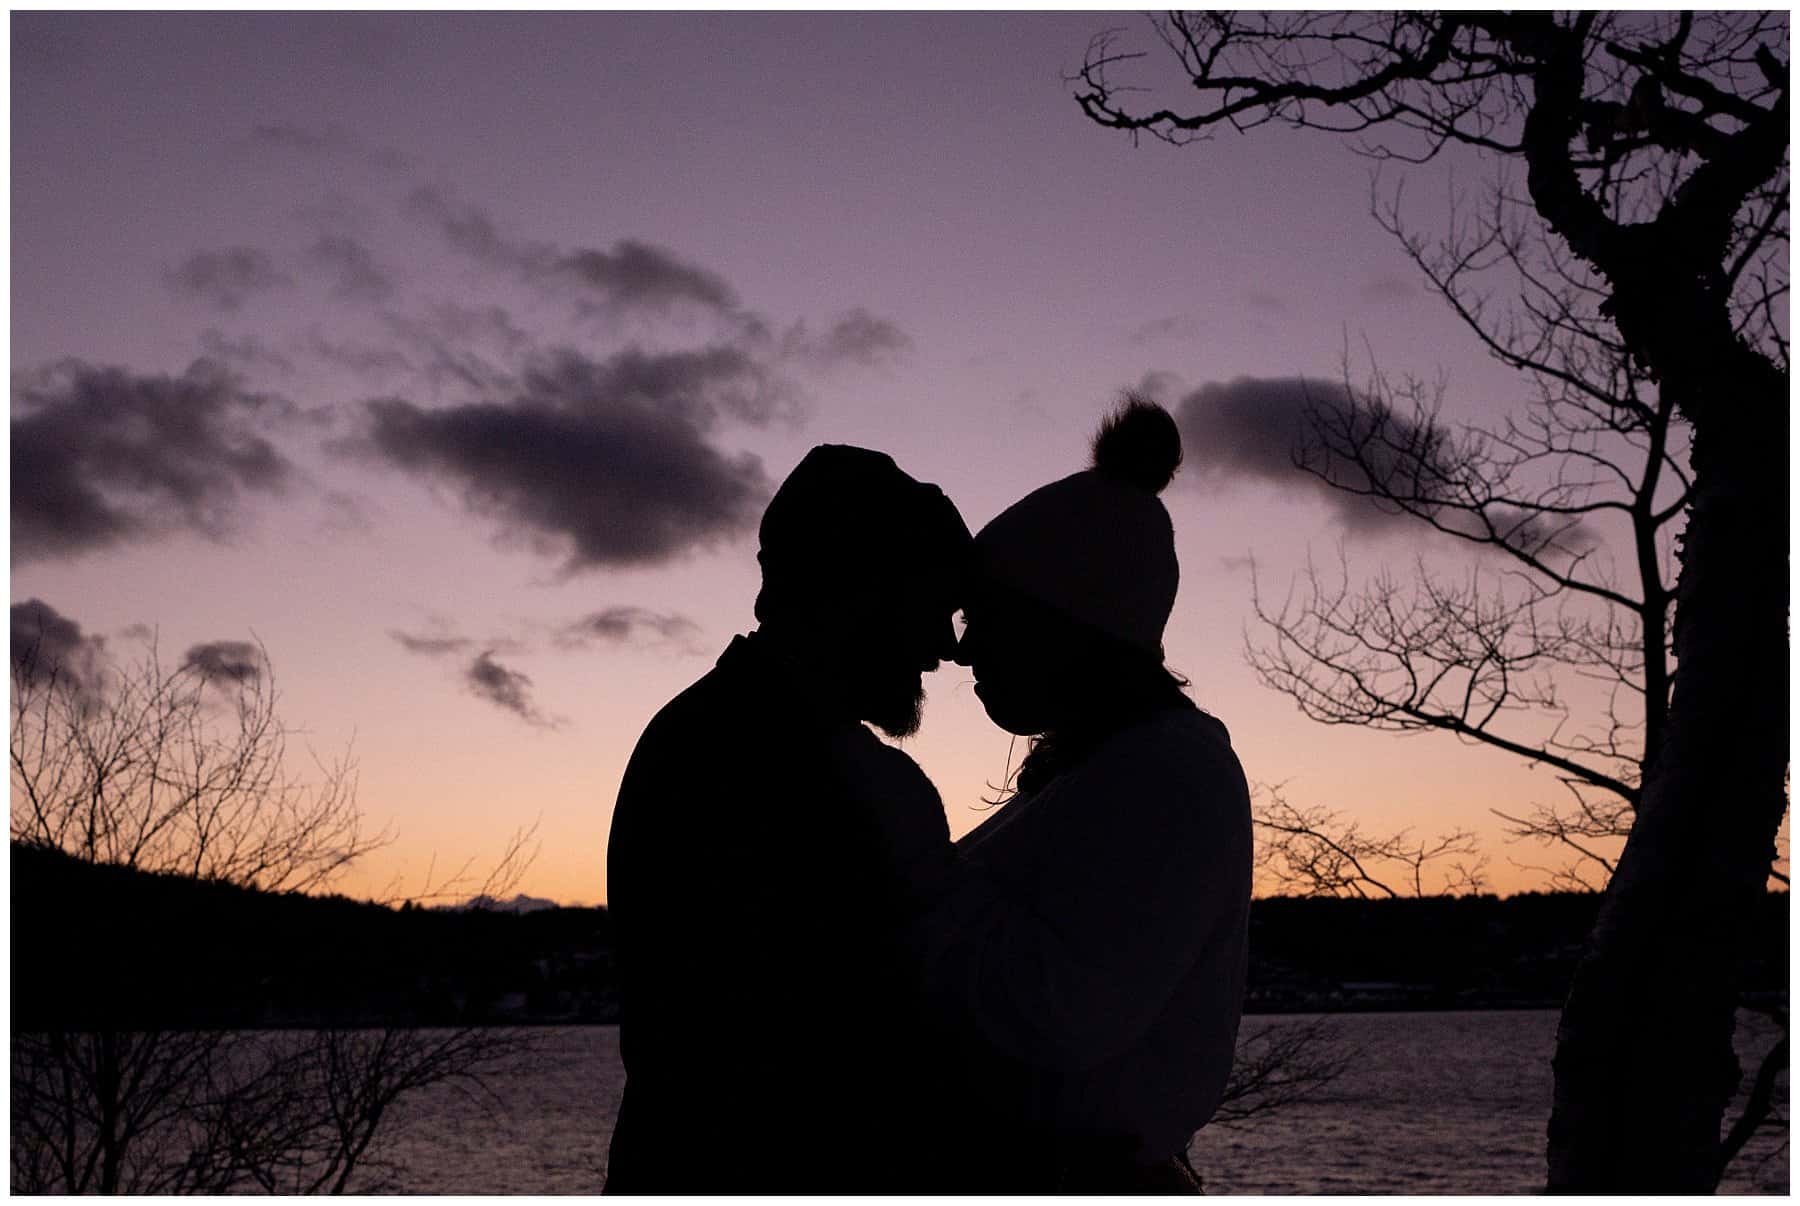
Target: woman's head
{"points": [[1039, 671], [1075, 582]]}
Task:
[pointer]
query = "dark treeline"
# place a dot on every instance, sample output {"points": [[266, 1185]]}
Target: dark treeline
{"points": [[106, 947], [1444, 952]]}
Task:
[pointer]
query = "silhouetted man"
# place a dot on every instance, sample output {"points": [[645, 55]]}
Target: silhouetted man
{"points": [[769, 1041]]}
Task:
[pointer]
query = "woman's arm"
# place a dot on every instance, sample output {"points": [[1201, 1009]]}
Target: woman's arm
{"points": [[1141, 859]]}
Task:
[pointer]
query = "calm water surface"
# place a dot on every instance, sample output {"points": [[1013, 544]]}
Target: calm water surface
{"points": [[1434, 1103]]}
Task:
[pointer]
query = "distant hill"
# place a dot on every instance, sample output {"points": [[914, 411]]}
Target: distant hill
{"points": [[518, 904], [108, 946]]}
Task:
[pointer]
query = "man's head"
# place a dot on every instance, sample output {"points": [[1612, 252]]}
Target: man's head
{"points": [[866, 566]]}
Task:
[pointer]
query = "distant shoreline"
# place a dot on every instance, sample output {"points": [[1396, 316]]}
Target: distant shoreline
{"points": [[111, 948]]}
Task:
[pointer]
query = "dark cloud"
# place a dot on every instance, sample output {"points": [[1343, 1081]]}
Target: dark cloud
{"points": [[332, 140], [356, 274], [640, 275], [630, 275], [856, 338], [46, 644], [1174, 327], [1251, 427], [226, 278], [248, 350], [619, 624], [228, 661], [1159, 386], [1255, 428], [509, 689], [101, 455], [600, 463]]}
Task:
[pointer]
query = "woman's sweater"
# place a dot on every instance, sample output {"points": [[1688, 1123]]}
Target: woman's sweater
{"points": [[1094, 938]]}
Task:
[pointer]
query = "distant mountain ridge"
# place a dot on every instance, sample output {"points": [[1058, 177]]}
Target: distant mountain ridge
{"points": [[518, 904]]}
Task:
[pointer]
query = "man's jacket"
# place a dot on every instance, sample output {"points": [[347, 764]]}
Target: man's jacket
{"points": [[770, 1043]]}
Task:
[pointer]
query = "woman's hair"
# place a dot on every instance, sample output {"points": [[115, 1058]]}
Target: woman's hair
{"points": [[1142, 691]]}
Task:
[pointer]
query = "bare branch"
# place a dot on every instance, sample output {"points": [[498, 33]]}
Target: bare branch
{"points": [[1316, 852], [1280, 1064], [177, 771]]}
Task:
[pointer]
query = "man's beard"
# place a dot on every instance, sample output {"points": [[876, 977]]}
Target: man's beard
{"points": [[900, 715]]}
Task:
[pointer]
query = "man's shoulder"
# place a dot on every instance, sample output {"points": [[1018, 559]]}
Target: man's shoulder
{"points": [[859, 760], [736, 734]]}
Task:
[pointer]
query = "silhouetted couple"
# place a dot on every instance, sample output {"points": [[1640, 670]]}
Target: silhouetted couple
{"points": [[821, 992]]}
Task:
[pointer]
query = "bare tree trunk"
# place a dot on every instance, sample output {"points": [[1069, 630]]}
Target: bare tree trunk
{"points": [[1644, 1062]]}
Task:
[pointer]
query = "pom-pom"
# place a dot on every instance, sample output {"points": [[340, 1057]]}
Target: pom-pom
{"points": [[1140, 444]]}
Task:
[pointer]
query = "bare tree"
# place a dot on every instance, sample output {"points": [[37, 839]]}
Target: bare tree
{"points": [[1281, 1064], [184, 772], [221, 1111], [179, 770], [1654, 153], [1313, 851]]}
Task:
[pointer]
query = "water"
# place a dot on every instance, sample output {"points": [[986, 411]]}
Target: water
{"points": [[1434, 1103], [1452, 1103]]}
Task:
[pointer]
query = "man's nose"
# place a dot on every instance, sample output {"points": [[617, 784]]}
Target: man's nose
{"points": [[943, 648]]}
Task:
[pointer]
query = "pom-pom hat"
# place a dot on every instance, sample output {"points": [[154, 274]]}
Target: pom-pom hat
{"points": [[1098, 545]]}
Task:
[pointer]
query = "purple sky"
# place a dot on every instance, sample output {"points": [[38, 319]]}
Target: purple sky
{"points": [[451, 356]]}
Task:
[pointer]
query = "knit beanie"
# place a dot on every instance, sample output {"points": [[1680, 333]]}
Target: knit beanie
{"points": [[1098, 545], [852, 513]]}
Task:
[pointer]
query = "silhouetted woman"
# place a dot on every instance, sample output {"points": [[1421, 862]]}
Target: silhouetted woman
{"points": [[1088, 953]]}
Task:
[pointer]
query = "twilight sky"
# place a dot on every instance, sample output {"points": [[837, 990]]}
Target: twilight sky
{"points": [[452, 357]]}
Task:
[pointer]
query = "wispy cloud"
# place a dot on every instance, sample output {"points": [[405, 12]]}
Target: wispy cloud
{"points": [[1267, 302], [855, 338], [328, 141], [375, 363], [1176, 328], [226, 278], [1388, 289], [630, 275], [246, 351], [461, 346], [619, 624], [505, 688], [431, 646], [356, 276]]}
